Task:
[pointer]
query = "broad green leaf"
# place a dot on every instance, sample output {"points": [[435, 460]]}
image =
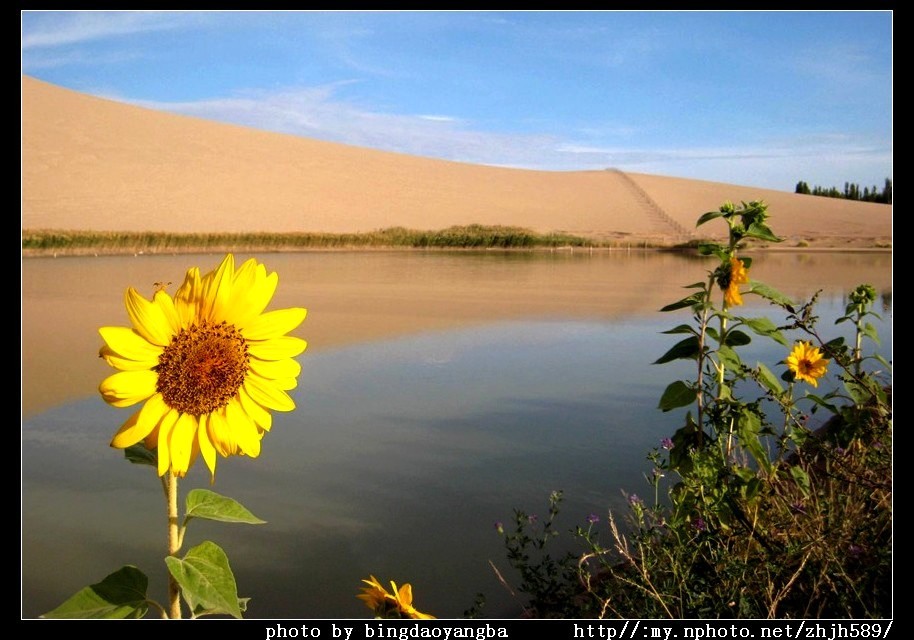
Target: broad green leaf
{"points": [[769, 293], [683, 328], [139, 454], [713, 249], [765, 327], [695, 285], [729, 358], [707, 217], [121, 594], [767, 378], [206, 580], [861, 394], [737, 338], [801, 478], [677, 394], [870, 332], [684, 349], [822, 402], [761, 232], [689, 301], [202, 503], [748, 426]]}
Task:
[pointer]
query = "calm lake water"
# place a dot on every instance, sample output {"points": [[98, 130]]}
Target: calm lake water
{"points": [[406, 447]]}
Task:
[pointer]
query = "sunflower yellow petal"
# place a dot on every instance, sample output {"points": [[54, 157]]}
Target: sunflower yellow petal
{"points": [[217, 290], [286, 384], [187, 298], [245, 431], [164, 452], [181, 443], [126, 388], [128, 428], [148, 318], [261, 417], [252, 291], [277, 348], [220, 434], [169, 310], [125, 364], [207, 450], [129, 344], [146, 419], [274, 324], [275, 369], [268, 395]]}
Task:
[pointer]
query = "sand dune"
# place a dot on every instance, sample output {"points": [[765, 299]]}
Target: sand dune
{"points": [[95, 164]]}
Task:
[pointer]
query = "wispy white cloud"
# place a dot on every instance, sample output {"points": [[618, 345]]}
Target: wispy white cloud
{"points": [[319, 112], [52, 58], [54, 29]]}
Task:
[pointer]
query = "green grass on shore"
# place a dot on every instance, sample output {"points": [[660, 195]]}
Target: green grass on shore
{"points": [[456, 237]]}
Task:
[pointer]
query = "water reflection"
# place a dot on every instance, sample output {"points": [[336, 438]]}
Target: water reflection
{"points": [[400, 457]]}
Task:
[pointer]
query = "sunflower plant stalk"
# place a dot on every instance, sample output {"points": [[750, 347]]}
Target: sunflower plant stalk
{"points": [[207, 367]]}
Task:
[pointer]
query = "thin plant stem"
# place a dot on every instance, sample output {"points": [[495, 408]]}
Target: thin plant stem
{"points": [[702, 335], [174, 589]]}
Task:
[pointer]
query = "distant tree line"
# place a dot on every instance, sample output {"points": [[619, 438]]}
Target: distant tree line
{"points": [[851, 192]]}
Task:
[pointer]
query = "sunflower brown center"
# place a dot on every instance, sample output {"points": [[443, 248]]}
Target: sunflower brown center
{"points": [[202, 367]]}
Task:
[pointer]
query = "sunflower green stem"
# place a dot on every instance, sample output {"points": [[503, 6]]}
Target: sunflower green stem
{"points": [[174, 544]]}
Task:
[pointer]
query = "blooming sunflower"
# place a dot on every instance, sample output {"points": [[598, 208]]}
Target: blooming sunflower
{"points": [[807, 363], [739, 274], [395, 604], [208, 364]]}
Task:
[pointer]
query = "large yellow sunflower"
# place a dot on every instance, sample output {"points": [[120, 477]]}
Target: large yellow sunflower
{"points": [[209, 366], [739, 274], [806, 363]]}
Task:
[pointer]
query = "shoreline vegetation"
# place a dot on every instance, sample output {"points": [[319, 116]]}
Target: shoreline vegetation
{"points": [[53, 242]]}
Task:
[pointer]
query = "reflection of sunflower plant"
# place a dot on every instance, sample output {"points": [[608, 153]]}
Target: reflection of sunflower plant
{"points": [[396, 603], [208, 366]]}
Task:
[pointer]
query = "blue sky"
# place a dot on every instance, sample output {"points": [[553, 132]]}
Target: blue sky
{"points": [[754, 98]]}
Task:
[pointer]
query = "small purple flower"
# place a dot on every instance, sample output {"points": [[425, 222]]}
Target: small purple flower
{"points": [[532, 518], [667, 443], [699, 524], [499, 527], [635, 501], [840, 451], [593, 518], [854, 550]]}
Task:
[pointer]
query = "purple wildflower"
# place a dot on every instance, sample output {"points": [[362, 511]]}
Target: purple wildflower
{"points": [[499, 527], [667, 443], [699, 524], [532, 518], [635, 501], [593, 518]]}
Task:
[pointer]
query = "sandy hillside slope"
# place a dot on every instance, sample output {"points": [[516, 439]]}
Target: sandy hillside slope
{"points": [[96, 164]]}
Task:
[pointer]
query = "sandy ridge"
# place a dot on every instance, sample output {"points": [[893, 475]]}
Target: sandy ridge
{"points": [[96, 164]]}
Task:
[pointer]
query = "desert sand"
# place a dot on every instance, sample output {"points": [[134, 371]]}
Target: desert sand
{"points": [[96, 164]]}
